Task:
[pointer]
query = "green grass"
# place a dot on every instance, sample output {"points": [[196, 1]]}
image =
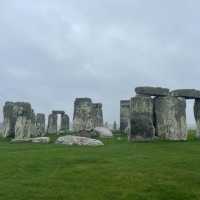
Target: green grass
{"points": [[118, 170]]}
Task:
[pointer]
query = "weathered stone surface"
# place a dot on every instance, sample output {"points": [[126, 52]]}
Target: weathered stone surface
{"points": [[40, 124], [58, 112], [82, 114], [170, 118], [64, 122], [186, 93], [52, 124], [152, 91], [141, 118], [25, 123], [97, 114], [124, 115], [81, 141], [10, 118], [103, 132], [43, 140], [86, 114], [197, 116], [19, 120]]}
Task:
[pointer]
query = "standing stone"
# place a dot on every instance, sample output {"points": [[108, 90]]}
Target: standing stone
{"points": [[97, 115], [52, 124], [197, 116], [19, 120], [141, 118], [40, 124], [114, 125], [82, 119], [170, 118], [10, 118], [124, 115], [25, 123], [64, 122]]}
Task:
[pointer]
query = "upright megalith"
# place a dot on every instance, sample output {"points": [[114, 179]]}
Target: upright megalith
{"points": [[141, 118], [97, 115], [19, 120], [87, 115], [124, 115], [82, 119], [152, 91], [52, 123], [10, 118], [40, 124], [197, 116], [64, 122], [170, 118]]}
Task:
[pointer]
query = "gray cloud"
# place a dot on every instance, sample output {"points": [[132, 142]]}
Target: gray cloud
{"points": [[54, 51]]}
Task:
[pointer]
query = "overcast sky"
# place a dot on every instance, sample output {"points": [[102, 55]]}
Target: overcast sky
{"points": [[52, 51]]}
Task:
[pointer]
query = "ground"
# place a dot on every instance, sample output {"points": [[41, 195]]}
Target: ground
{"points": [[119, 170]]}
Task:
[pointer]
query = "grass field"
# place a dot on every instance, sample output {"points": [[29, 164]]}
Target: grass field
{"points": [[118, 170]]}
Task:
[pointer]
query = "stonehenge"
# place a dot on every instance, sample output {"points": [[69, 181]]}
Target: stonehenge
{"points": [[154, 112], [157, 112], [52, 127], [87, 115]]}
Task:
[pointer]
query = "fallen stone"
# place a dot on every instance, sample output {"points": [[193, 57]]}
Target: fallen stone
{"points": [[44, 140], [186, 93], [22, 140], [152, 91], [80, 141], [103, 132], [170, 118], [141, 118]]}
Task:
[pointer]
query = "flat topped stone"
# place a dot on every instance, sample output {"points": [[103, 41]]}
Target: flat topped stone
{"points": [[125, 102], [152, 91], [57, 112], [186, 93]]}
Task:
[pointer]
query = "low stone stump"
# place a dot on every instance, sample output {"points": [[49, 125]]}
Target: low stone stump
{"points": [[22, 140], [76, 140], [43, 140]]}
